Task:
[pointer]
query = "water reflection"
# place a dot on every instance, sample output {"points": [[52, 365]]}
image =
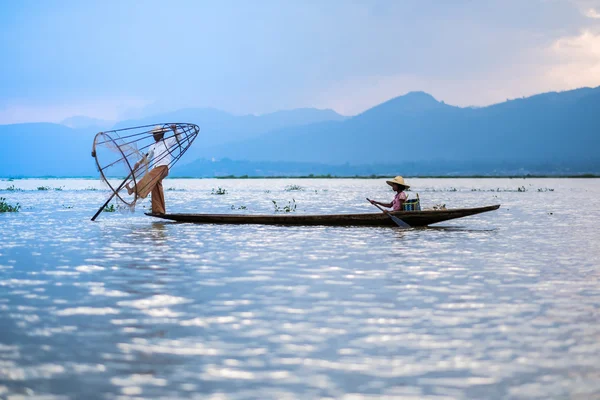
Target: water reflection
{"points": [[493, 306]]}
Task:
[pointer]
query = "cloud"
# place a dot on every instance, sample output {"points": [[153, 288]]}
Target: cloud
{"points": [[577, 60], [592, 13]]}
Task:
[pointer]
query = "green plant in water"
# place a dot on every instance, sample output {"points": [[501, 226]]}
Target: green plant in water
{"points": [[110, 208], [43, 188], [219, 191], [12, 188], [59, 188], [5, 207], [290, 207], [291, 188], [239, 208]]}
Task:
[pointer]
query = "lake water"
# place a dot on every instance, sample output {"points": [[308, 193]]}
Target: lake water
{"points": [[500, 305]]}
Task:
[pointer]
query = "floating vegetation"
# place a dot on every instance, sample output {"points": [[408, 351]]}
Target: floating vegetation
{"points": [[292, 188], [5, 207], [238, 208], [267, 191], [545, 190], [290, 207], [93, 189], [172, 189], [110, 208], [439, 207], [64, 206], [12, 188], [520, 189], [219, 191], [49, 188]]}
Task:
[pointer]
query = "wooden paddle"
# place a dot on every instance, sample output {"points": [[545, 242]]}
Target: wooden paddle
{"points": [[397, 221]]}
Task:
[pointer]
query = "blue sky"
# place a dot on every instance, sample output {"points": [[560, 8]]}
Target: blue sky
{"points": [[116, 59]]}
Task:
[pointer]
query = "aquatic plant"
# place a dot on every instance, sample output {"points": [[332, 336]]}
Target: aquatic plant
{"points": [[110, 208], [5, 207], [59, 188], [219, 191], [498, 190], [64, 206], [239, 208], [291, 188], [43, 188], [290, 207], [439, 207], [12, 188], [545, 190]]}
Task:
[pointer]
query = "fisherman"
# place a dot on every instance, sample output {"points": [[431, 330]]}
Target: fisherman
{"points": [[399, 186], [160, 155]]}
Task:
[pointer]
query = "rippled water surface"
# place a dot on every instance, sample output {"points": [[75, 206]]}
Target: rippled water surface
{"points": [[499, 305]]}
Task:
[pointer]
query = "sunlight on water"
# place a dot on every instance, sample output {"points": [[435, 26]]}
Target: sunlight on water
{"points": [[497, 305]]}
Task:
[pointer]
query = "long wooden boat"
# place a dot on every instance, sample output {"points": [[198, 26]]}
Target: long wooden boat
{"points": [[413, 218]]}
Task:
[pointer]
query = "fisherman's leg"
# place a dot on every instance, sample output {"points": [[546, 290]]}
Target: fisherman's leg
{"points": [[158, 195], [146, 184]]}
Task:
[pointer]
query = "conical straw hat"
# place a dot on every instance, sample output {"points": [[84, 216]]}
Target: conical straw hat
{"points": [[398, 180]]}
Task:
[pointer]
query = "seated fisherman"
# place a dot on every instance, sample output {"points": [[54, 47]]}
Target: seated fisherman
{"points": [[399, 186]]}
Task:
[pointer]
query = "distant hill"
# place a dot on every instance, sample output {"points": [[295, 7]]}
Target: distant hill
{"points": [[552, 127], [82, 122], [541, 134], [43, 149], [220, 128]]}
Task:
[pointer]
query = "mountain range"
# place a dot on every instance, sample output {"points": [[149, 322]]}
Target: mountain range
{"points": [[552, 131]]}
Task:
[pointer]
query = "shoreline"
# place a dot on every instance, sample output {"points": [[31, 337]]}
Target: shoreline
{"points": [[574, 176]]}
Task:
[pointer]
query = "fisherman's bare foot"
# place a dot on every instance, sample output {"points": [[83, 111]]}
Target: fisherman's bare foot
{"points": [[129, 189]]}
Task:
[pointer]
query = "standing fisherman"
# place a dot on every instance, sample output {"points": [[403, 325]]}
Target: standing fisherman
{"points": [[160, 155]]}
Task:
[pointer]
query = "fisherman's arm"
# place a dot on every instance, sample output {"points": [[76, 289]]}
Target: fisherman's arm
{"points": [[177, 134], [144, 160]]}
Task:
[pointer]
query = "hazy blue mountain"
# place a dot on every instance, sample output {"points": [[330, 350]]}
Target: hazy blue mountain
{"points": [[551, 127], [43, 149], [83, 122], [219, 127], [541, 134]]}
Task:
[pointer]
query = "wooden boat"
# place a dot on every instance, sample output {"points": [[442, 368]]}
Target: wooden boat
{"points": [[413, 218]]}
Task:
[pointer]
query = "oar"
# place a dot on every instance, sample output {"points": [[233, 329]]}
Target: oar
{"points": [[397, 221]]}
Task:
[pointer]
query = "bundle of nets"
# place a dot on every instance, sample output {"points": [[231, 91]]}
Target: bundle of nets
{"points": [[122, 156]]}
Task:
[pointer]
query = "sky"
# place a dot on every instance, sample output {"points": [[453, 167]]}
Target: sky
{"points": [[121, 59]]}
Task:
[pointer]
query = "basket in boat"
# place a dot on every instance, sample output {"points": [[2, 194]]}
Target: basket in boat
{"points": [[412, 205]]}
